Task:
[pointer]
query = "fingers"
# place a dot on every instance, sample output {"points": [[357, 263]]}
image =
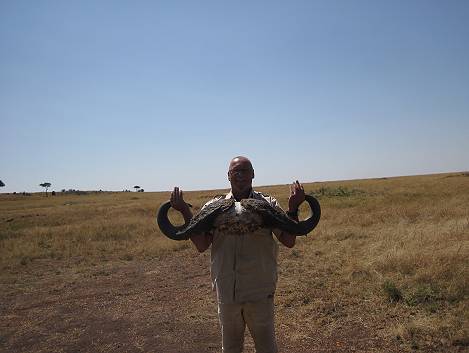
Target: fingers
{"points": [[181, 199], [172, 198], [175, 193], [176, 196], [296, 187]]}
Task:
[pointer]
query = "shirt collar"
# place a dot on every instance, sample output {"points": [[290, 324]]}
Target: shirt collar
{"points": [[230, 195]]}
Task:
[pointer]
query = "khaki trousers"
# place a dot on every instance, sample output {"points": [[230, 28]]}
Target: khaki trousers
{"points": [[258, 316]]}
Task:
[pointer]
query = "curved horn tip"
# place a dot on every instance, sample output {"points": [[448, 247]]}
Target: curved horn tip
{"points": [[312, 221], [164, 223]]}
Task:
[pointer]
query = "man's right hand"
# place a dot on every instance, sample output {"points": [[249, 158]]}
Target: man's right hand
{"points": [[177, 201]]}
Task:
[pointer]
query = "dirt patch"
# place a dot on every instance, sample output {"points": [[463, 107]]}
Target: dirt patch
{"points": [[163, 305]]}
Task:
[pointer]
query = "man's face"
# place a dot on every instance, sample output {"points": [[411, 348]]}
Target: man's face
{"points": [[240, 174]]}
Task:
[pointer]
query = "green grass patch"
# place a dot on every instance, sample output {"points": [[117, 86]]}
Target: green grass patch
{"points": [[340, 191], [392, 292]]}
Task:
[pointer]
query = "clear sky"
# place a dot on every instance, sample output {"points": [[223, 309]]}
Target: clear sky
{"points": [[112, 94]]}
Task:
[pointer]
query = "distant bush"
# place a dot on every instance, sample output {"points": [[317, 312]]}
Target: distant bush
{"points": [[75, 192], [336, 192]]}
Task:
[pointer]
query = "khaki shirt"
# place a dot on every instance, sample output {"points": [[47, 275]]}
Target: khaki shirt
{"points": [[243, 260]]}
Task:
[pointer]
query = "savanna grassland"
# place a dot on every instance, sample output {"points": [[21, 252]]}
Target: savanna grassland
{"points": [[386, 270]]}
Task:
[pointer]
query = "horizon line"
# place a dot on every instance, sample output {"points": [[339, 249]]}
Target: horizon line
{"points": [[462, 172]]}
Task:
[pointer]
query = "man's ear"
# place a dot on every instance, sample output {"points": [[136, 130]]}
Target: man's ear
{"points": [[229, 178]]}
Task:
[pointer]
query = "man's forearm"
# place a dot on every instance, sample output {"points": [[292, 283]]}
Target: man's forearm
{"points": [[201, 241], [187, 214], [288, 239]]}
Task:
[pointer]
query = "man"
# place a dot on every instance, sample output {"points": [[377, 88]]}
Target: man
{"points": [[244, 264]]}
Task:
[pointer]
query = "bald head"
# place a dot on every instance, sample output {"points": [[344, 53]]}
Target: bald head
{"points": [[240, 159]]}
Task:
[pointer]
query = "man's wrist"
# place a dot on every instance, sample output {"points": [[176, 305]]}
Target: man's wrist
{"points": [[187, 213]]}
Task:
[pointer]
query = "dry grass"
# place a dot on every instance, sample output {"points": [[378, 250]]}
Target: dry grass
{"points": [[390, 252], [95, 227]]}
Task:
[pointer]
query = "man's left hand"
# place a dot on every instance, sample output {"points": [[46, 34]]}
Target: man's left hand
{"points": [[297, 196]]}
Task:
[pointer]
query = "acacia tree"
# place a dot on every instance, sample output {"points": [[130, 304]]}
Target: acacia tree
{"points": [[136, 187], [46, 186], [2, 184]]}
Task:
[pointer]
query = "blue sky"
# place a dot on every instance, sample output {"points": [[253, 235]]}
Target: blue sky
{"points": [[111, 94]]}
